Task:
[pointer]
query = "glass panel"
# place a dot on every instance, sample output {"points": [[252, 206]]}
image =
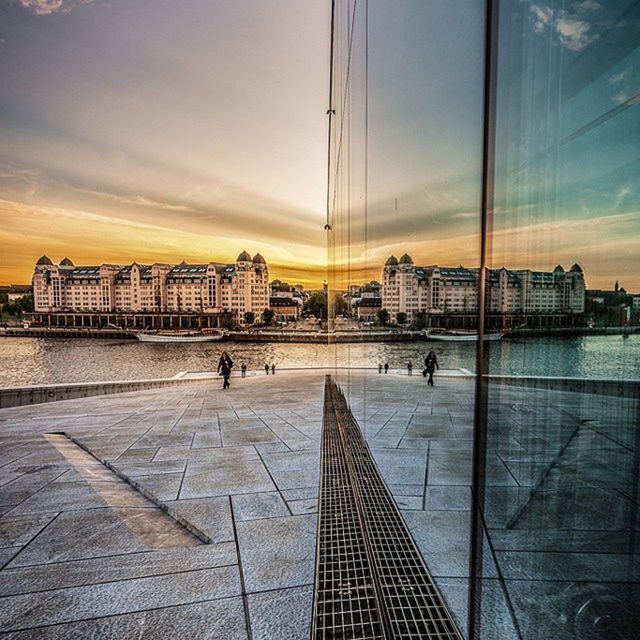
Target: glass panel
{"points": [[562, 464], [404, 193]]}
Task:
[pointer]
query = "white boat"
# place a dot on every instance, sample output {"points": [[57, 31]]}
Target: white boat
{"points": [[178, 336], [461, 335]]}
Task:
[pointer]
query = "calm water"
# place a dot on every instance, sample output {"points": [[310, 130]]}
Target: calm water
{"points": [[39, 360]]}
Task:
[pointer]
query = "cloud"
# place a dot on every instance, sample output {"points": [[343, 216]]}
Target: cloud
{"points": [[626, 96], [572, 31], [621, 76], [47, 7], [137, 200], [587, 6], [542, 17]]}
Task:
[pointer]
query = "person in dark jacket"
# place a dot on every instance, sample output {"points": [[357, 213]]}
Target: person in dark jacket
{"points": [[273, 369], [386, 367], [430, 365], [410, 368], [266, 369], [224, 368], [243, 370]]}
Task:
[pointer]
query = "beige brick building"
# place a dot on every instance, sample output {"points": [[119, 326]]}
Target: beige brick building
{"points": [[158, 288], [411, 289]]}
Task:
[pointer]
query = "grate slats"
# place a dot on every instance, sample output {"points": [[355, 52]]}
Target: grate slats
{"points": [[371, 581]]}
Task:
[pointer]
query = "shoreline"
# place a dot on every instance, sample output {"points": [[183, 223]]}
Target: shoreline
{"points": [[381, 336]]}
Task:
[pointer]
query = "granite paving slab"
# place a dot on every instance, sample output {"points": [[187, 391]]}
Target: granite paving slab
{"points": [[243, 467]]}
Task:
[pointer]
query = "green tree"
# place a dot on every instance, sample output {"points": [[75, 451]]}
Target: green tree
{"points": [[227, 321], [317, 305], [339, 305], [249, 317], [267, 316], [25, 303], [401, 317], [420, 321], [383, 316]]}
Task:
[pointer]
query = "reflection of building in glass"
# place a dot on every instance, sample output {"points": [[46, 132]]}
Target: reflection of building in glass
{"points": [[204, 288], [411, 289], [613, 307]]}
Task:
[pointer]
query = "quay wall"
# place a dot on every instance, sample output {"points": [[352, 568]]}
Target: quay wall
{"points": [[595, 386], [37, 394], [309, 337]]}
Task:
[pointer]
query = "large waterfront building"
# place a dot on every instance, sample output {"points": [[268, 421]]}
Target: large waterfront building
{"points": [[206, 289], [446, 291]]}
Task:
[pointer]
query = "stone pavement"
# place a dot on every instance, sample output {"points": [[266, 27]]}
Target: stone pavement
{"points": [[85, 555]]}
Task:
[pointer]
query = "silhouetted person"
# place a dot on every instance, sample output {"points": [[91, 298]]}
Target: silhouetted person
{"points": [[380, 368], [273, 369], [224, 368], [266, 369], [386, 367], [430, 365], [243, 370], [410, 368]]}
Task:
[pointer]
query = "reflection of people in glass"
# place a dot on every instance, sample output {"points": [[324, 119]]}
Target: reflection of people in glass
{"points": [[224, 367], [430, 365]]}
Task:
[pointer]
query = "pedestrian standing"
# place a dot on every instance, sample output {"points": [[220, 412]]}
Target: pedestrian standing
{"points": [[273, 369], [224, 368], [266, 368], [430, 365], [410, 368], [386, 367], [380, 367], [243, 370]]}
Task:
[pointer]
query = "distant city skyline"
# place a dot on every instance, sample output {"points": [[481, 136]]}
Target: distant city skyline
{"points": [[175, 131]]}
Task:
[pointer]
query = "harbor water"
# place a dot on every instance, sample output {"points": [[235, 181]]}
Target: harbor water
{"points": [[26, 361]]}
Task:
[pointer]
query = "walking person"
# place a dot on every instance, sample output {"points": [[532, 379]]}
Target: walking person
{"points": [[273, 369], [224, 368], [386, 367], [243, 370], [266, 369], [430, 365], [410, 368], [380, 367]]}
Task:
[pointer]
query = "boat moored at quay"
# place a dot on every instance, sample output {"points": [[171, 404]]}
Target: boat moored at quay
{"points": [[461, 335], [173, 337]]}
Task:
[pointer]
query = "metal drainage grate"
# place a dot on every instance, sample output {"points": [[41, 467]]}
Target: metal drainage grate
{"points": [[371, 581]]}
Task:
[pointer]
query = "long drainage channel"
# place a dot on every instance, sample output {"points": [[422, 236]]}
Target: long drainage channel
{"points": [[371, 581]]}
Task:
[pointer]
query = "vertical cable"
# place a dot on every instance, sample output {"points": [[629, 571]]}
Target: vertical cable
{"points": [[482, 352]]}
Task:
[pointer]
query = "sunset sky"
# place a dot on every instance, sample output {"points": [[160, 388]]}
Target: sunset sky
{"points": [[158, 130]]}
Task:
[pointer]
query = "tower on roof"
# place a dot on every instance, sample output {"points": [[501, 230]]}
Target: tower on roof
{"points": [[244, 257], [44, 261]]}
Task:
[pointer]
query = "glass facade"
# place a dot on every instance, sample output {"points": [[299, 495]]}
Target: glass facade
{"points": [[483, 175]]}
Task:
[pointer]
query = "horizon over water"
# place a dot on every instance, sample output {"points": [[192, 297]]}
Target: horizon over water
{"points": [[28, 361]]}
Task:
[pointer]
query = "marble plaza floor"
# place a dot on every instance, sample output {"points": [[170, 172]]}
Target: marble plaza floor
{"points": [[83, 554]]}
